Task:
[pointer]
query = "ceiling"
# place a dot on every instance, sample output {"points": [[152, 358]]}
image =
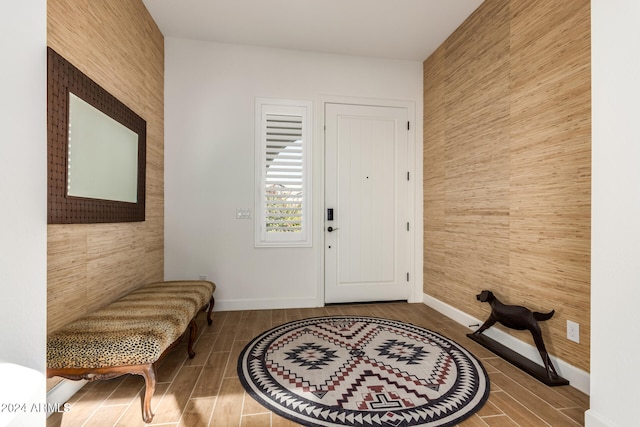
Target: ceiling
{"points": [[396, 29]]}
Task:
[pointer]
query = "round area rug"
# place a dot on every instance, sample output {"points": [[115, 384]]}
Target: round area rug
{"points": [[362, 371]]}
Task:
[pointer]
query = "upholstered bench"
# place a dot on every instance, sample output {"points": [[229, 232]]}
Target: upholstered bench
{"points": [[130, 335]]}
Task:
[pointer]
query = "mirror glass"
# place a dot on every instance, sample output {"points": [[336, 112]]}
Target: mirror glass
{"points": [[102, 155]]}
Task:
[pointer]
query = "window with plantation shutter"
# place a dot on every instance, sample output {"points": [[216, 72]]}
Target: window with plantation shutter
{"points": [[283, 141]]}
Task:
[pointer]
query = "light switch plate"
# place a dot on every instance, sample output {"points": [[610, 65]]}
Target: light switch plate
{"points": [[243, 213]]}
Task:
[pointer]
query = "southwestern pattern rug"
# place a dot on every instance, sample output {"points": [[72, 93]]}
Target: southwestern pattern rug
{"points": [[362, 371]]}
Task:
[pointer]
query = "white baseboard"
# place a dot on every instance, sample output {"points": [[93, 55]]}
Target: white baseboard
{"points": [[264, 304], [578, 378], [593, 419], [63, 391]]}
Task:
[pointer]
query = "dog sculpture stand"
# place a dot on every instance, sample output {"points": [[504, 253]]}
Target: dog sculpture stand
{"points": [[520, 318]]}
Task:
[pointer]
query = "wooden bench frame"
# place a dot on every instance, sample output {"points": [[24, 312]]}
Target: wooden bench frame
{"points": [[148, 371]]}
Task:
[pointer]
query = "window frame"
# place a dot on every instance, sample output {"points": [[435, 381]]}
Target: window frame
{"points": [[303, 109]]}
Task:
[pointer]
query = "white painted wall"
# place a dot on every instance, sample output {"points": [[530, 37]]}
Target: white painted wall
{"points": [[615, 234], [210, 92], [23, 216]]}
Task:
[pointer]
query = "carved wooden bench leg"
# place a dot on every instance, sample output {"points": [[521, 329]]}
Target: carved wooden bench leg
{"points": [[149, 374], [147, 371], [193, 331], [193, 327], [212, 301]]}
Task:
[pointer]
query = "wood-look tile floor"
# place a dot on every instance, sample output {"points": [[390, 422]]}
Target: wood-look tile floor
{"points": [[205, 390]]}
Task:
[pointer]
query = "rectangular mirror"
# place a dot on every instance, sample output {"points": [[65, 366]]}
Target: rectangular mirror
{"points": [[102, 160], [96, 151]]}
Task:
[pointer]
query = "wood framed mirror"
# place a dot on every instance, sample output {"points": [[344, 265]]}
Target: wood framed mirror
{"points": [[96, 150]]}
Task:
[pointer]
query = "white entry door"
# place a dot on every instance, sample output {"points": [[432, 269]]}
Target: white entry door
{"points": [[367, 207]]}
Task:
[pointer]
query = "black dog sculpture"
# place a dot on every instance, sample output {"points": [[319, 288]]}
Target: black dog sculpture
{"points": [[520, 318]]}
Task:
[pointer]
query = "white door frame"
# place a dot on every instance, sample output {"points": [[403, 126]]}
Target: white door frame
{"points": [[415, 190]]}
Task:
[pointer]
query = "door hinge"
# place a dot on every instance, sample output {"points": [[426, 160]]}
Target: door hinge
{"points": [[408, 125], [408, 176], [407, 226], [407, 277]]}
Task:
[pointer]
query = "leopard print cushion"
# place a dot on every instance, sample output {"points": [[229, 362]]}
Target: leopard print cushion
{"points": [[133, 330]]}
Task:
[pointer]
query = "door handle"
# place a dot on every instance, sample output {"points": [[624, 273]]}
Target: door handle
{"points": [[331, 229]]}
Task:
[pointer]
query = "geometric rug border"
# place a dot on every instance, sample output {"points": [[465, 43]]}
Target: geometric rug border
{"points": [[438, 412]]}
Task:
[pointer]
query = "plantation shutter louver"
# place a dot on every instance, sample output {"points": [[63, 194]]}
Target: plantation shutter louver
{"points": [[284, 179], [283, 190]]}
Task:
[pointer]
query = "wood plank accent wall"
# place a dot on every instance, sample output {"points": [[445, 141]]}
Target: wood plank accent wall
{"points": [[507, 165], [119, 46]]}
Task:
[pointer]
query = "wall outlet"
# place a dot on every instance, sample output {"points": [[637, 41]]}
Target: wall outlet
{"points": [[573, 331], [203, 277]]}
